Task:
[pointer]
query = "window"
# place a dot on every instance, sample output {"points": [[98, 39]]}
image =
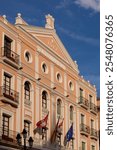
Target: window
{"points": [[71, 86], [82, 119], [27, 90], [92, 123], [71, 113], [5, 124], [90, 98], [44, 68], [59, 107], [81, 92], [7, 46], [92, 147], [7, 42], [83, 146], [28, 57], [7, 83], [44, 99], [27, 126], [59, 78]]}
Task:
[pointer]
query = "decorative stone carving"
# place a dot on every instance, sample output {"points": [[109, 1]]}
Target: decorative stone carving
{"points": [[49, 22], [19, 20]]}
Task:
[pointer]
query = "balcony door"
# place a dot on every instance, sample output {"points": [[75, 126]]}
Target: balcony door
{"points": [[81, 95], [82, 119], [7, 46], [92, 123], [5, 125], [7, 84], [83, 146]]}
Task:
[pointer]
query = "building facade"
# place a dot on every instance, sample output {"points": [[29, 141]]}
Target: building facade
{"points": [[37, 76]]}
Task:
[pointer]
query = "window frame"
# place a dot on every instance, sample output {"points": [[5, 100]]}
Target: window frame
{"points": [[71, 113], [5, 128], [44, 99], [27, 94], [92, 147], [59, 104], [82, 118], [7, 83], [83, 148], [81, 92]]}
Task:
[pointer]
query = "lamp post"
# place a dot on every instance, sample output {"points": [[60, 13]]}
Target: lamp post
{"points": [[24, 147]]}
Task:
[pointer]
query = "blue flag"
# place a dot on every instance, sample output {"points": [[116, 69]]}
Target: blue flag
{"points": [[70, 133]]}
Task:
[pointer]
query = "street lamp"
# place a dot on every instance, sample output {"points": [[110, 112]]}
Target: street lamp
{"points": [[18, 137]]}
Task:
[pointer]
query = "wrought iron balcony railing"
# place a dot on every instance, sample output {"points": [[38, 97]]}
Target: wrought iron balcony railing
{"points": [[83, 102], [8, 95], [84, 129], [9, 54], [93, 108], [8, 135], [94, 133]]}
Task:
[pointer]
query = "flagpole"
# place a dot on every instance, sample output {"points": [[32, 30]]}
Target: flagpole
{"points": [[55, 130]]}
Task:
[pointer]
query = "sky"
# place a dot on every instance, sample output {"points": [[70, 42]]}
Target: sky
{"points": [[77, 23]]}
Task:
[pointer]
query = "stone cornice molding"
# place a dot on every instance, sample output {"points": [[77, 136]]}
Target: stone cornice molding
{"points": [[6, 27], [89, 87]]}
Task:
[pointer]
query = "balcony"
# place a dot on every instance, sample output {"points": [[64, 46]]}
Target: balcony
{"points": [[8, 138], [93, 108], [94, 134], [10, 57], [84, 129], [83, 102], [9, 96]]}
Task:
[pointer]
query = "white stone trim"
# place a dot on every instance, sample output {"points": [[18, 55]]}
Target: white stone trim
{"points": [[8, 29]]}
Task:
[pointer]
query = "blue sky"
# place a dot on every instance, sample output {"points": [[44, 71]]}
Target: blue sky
{"points": [[77, 23]]}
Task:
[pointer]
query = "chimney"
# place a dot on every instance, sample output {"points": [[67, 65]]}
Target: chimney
{"points": [[19, 20], [49, 22]]}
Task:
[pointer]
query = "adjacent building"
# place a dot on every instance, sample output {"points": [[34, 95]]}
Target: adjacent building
{"points": [[37, 76]]}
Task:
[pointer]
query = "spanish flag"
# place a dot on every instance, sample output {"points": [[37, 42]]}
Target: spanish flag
{"points": [[42, 123]]}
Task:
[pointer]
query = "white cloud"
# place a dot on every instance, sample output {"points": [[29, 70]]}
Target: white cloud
{"points": [[63, 4], [75, 36], [89, 4]]}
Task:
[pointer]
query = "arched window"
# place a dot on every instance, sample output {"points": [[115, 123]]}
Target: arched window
{"points": [[44, 99], [71, 113], [59, 107], [27, 90]]}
